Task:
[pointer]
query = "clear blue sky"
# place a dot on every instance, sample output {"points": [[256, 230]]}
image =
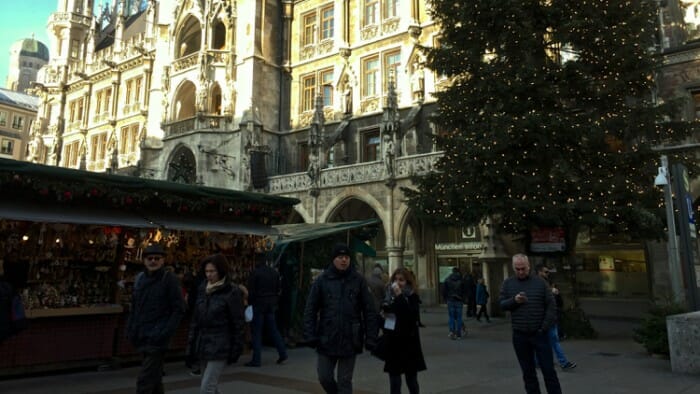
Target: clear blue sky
{"points": [[18, 20]]}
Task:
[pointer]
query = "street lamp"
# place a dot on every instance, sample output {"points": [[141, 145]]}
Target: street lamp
{"points": [[664, 179]]}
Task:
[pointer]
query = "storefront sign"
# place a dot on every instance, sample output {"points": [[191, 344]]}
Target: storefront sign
{"points": [[459, 246], [548, 240]]}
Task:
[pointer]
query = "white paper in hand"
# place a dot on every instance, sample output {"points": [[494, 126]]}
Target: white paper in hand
{"points": [[249, 314], [389, 321]]}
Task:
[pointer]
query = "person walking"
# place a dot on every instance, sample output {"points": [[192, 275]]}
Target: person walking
{"points": [[532, 310], [377, 285], [216, 329], [339, 317], [157, 307], [482, 298], [453, 293], [553, 332], [404, 354], [264, 288], [470, 294]]}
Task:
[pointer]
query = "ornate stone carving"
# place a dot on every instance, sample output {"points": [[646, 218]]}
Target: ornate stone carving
{"points": [[186, 62], [369, 32], [390, 25], [325, 47], [369, 105], [307, 52]]}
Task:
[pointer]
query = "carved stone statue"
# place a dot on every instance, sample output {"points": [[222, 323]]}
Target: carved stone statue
{"points": [[389, 155], [418, 81], [347, 96]]}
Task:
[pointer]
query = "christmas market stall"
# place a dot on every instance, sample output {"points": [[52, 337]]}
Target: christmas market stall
{"points": [[301, 251], [71, 242]]}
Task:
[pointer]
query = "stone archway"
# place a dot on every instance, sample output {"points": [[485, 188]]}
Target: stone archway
{"points": [[185, 106], [189, 37]]}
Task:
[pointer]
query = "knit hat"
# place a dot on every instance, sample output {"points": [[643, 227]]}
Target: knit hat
{"points": [[340, 249]]}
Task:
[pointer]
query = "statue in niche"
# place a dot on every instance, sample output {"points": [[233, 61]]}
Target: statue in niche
{"points": [[418, 81], [389, 155], [347, 96], [314, 170]]}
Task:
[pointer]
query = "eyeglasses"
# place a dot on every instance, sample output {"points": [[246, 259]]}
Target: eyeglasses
{"points": [[153, 258]]}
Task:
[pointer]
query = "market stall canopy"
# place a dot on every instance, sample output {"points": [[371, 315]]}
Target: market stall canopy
{"points": [[38, 192], [300, 232]]}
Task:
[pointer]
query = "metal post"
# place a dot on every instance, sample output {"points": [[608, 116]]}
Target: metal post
{"points": [[674, 265]]}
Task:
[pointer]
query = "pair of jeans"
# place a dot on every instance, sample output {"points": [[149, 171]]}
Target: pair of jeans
{"points": [[264, 317], [150, 379], [326, 371], [210, 376], [454, 314], [411, 383], [529, 345], [553, 334]]}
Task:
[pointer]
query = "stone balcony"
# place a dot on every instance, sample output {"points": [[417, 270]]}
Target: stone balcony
{"points": [[355, 174], [197, 123]]}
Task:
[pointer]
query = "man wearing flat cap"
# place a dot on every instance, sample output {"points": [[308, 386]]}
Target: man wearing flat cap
{"points": [[157, 307], [339, 319]]}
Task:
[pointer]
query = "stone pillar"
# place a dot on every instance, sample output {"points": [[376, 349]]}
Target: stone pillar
{"points": [[684, 342], [395, 256]]}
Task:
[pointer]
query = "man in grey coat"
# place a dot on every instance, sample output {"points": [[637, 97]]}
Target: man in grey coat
{"points": [[533, 312]]}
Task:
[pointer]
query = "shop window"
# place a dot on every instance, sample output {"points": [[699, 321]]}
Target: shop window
{"points": [[370, 145], [7, 146]]}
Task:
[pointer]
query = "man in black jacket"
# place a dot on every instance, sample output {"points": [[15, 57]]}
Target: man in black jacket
{"points": [[339, 317], [533, 312], [157, 307], [263, 295]]}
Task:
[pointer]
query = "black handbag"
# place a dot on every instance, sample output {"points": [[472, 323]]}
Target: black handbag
{"points": [[380, 350]]}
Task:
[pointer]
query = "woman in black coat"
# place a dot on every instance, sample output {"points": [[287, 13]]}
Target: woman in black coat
{"points": [[216, 330], [404, 354]]}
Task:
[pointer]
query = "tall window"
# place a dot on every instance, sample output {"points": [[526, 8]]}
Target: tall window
{"points": [[307, 94], [327, 87], [318, 25], [392, 61], [3, 118], [17, 122], [129, 139], [370, 12], [370, 146], [370, 76], [321, 81], [75, 49], [76, 110], [391, 8], [103, 99], [309, 37], [7, 146], [98, 147], [327, 23], [71, 153]]}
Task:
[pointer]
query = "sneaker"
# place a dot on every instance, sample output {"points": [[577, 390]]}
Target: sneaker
{"points": [[568, 366], [453, 336], [196, 372], [282, 359], [459, 337]]}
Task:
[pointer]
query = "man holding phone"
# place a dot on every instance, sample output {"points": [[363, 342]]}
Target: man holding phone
{"points": [[533, 311]]}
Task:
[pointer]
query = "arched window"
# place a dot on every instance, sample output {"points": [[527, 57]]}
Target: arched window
{"points": [[184, 106], [219, 35], [189, 38], [182, 167], [215, 100]]}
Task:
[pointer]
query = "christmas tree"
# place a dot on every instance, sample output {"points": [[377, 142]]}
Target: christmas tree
{"points": [[548, 117]]}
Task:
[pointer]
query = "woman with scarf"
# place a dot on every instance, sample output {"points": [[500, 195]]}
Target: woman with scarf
{"points": [[216, 330], [404, 355]]}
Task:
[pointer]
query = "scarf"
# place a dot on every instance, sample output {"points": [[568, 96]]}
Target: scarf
{"points": [[212, 287]]}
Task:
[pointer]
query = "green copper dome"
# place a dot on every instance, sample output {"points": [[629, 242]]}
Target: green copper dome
{"points": [[32, 48]]}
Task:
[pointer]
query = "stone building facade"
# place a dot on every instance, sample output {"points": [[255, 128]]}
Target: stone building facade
{"points": [[27, 56], [327, 101]]}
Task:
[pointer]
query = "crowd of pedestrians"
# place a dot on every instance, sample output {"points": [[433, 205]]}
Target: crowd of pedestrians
{"points": [[344, 315]]}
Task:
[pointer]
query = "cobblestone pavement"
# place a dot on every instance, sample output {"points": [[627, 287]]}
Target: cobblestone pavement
{"points": [[483, 362]]}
